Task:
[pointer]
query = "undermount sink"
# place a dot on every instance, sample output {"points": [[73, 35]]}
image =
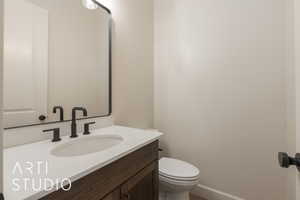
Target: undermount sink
{"points": [[86, 145]]}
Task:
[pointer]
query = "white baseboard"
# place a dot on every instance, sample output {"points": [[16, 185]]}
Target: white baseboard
{"points": [[212, 194]]}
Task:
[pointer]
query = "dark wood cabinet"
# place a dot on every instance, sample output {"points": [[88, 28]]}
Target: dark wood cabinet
{"points": [[142, 186], [133, 177]]}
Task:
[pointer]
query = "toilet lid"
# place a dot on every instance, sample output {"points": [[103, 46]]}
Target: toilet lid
{"points": [[177, 169]]}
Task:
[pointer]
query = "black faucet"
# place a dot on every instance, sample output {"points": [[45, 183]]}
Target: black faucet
{"points": [[73, 124], [56, 134], [61, 110]]}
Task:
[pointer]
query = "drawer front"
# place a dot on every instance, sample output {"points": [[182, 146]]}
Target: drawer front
{"points": [[103, 181]]}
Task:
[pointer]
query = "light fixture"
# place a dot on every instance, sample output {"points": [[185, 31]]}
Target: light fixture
{"points": [[90, 4]]}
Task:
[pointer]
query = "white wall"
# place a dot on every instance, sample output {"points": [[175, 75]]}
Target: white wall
{"points": [[290, 86], [1, 99], [297, 81], [220, 92], [132, 62]]}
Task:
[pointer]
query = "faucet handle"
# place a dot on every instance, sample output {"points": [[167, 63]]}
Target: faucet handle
{"points": [[56, 134], [87, 128]]}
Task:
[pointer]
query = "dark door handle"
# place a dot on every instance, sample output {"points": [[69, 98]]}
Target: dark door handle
{"points": [[42, 117], [285, 161]]}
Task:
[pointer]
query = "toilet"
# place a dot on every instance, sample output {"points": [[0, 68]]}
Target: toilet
{"points": [[176, 179]]}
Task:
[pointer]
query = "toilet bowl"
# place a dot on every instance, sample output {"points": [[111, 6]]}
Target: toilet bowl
{"points": [[176, 179]]}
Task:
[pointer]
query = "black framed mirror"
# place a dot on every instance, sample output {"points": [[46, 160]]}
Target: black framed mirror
{"points": [[56, 56]]}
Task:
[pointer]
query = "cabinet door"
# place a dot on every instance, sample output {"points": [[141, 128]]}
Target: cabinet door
{"points": [[143, 186]]}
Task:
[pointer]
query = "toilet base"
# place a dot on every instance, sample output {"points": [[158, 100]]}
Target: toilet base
{"points": [[174, 196]]}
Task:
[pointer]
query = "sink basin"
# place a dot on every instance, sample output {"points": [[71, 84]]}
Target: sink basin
{"points": [[86, 145]]}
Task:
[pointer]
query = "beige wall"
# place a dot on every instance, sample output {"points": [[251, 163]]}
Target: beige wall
{"points": [[297, 81], [133, 62], [1, 73], [220, 94]]}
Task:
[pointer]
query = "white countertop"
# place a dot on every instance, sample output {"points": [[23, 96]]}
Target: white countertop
{"points": [[58, 168]]}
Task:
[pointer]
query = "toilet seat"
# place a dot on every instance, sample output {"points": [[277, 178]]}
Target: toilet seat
{"points": [[177, 171]]}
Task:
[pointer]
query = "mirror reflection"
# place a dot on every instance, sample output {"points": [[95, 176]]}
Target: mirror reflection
{"points": [[55, 56]]}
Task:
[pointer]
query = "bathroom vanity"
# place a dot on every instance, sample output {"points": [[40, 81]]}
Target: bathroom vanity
{"points": [[133, 177], [126, 170]]}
